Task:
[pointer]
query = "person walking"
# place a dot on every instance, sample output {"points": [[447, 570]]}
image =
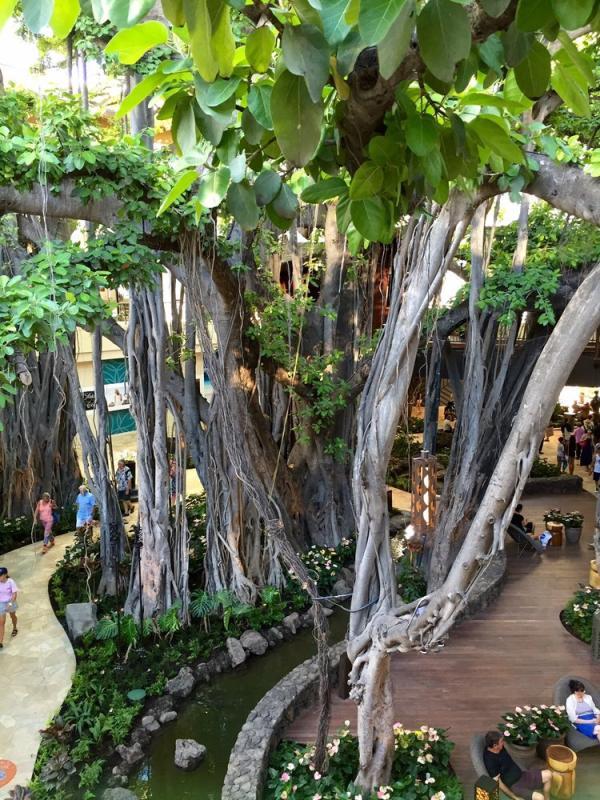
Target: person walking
{"points": [[85, 502], [587, 452], [571, 450], [8, 603], [124, 480], [561, 454], [579, 434], [596, 473], [44, 513]]}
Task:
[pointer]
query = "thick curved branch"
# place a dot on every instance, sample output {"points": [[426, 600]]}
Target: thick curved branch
{"points": [[566, 188], [64, 203]]}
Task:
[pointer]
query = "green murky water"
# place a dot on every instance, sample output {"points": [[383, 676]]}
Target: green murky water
{"points": [[214, 716]]}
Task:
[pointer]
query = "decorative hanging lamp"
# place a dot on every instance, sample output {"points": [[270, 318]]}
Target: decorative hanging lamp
{"points": [[423, 488]]}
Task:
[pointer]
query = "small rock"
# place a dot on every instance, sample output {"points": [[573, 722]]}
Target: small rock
{"points": [[188, 753], [150, 723], [141, 736], [159, 705], [254, 643], [341, 587], [327, 611], [347, 574], [182, 684], [118, 793], [273, 636], [168, 716], [222, 661], [237, 654], [80, 618], [202, 673], [131, 755], [292, 622]]}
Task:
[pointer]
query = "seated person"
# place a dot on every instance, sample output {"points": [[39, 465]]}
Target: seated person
{"points": [[531, 784], [518, 520], [582, 711]]}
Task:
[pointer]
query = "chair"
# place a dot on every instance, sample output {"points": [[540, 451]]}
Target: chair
{"points": [[525, 541], [477, 748], [575, 740]]}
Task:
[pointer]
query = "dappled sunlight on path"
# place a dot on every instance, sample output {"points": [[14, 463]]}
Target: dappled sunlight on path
{"points": [[37, 666]]}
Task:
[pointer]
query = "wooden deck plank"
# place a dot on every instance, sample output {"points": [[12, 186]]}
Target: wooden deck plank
{"points": [[512, 654]]}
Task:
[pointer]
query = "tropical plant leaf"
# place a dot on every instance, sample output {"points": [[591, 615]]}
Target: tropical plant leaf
{"points": [[444, 34], [296, 119], [130, 44]]}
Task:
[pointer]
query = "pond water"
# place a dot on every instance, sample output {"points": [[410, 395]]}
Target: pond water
{"points": [[214, 716]]}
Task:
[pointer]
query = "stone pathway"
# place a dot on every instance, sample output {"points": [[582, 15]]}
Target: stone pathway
{"points": [[37, 666]]}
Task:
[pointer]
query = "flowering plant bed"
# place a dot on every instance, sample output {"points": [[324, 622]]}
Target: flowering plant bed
{"points": [[528, 724], [421, 769], [578, 614]]}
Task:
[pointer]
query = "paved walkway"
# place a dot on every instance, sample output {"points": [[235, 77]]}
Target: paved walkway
{"points": [[511, 654], [36, 667]]}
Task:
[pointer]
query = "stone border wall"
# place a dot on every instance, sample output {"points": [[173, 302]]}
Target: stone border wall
{"points": [[559, 484], [263, 730]]}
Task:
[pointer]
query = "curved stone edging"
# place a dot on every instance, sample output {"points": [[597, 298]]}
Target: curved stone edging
{"points": [[263, 729], [558, 484]]}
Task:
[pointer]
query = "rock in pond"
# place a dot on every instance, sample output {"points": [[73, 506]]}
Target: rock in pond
{"points": [[188, 753], [237, 654], [118, 793], [182, 684], [254, 643]]}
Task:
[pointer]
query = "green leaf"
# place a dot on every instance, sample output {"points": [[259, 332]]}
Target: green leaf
{"points": [[37, 14], [493, 136], [296, 119], [305, 52], [213, 187], [323, 190], [184, 182], [573, 13], [266, 187], [122, 13], [63, 17], [259, 48], [366, 181], [516, 44], [568, 83], [494, 7], [242, 205], [332, 15], [285, 204], [253, 130], [394, 45], [492, 53], [222, 40], [533, 14], [421, 134], [200, 30], [581, 61], [130, 44], [375, 18], [444, 34], [281, 222], [259, 103], [139, 92], [173, 11], [372, 218], [215, 94], [184, 126], [6, 10], [533, 73]]}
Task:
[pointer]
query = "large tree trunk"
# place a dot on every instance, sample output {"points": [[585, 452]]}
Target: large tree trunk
{"points": [[36, 441], [146, 343]]}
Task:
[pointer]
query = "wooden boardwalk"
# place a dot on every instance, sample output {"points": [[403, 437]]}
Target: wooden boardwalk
{"points": [[512, 654]]}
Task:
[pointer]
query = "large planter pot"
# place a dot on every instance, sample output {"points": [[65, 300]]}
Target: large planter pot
{"points": [[544, 744], [594, 580], [525, 754], [573, 535]]}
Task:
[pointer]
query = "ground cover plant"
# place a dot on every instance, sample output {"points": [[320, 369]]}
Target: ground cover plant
{"points": [[579, 612], [19, 531], [421, 769]]}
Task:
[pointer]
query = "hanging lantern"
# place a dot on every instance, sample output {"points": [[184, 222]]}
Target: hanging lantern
{"points": [[486, 789], [424, 488]]}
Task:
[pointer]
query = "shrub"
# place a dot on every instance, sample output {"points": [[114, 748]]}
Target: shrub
{"points": [[421, 769], [529, 724], [570, 519], [579, 611], [542, 468]]}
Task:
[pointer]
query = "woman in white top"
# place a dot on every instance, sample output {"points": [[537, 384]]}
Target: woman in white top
{"points": [[582, 711]]}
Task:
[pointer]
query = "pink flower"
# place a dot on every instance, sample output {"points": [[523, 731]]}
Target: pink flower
{"points": [[317, 776], [533, 726], [284, 777], [317, 796]]}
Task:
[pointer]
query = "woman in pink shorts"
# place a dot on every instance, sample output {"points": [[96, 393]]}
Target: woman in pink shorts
{"points": [[44, 512]]}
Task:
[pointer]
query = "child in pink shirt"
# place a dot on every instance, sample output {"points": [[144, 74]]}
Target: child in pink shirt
{"points": [[8, 602]]}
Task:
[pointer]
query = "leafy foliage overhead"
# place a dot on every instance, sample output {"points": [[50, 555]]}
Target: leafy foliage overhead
{"points": [[399, 100]]}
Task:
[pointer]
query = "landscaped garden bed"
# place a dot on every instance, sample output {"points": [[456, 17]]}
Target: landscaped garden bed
{"points": [[19, 531], [578, 615], [421, 769]]}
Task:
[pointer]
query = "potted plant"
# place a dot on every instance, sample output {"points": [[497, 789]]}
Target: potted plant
{"points": [[573, 522], [520, 731], [552, 725], [554, 515]]}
